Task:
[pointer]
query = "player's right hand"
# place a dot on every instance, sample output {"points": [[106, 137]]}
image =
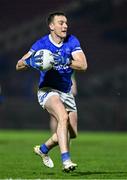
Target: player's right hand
{"points": [[34, 62]]}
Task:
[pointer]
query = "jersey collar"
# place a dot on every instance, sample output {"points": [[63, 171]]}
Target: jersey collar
{"points": [[57, 45]]}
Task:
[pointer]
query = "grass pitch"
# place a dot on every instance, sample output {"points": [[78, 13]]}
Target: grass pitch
{"points": [[98, 155]]}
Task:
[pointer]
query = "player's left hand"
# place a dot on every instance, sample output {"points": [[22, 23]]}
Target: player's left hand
{"points": [[60, 60]]}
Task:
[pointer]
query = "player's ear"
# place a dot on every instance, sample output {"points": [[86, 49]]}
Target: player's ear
{"points": [[51, 26]]}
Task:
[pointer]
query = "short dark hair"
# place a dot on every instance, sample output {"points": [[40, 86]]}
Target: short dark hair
{"points": [[52, 15]]}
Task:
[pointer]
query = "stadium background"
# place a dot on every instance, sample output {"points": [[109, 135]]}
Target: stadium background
{"points": [[101, 27]]}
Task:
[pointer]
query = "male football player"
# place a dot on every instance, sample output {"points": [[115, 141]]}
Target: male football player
{"points": [[54, 93]]}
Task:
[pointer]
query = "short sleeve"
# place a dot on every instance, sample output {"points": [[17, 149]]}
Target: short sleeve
{"points": [[75, 44], [35, 46]]}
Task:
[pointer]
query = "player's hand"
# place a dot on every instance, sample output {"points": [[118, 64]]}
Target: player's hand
{"points": [[34, 61], [60, 60]]}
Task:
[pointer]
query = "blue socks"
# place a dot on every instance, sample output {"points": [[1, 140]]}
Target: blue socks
{"points": [[44, 149], [65, 156]]}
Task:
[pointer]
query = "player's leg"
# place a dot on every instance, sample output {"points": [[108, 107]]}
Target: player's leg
{"points": [[42, 151], [70, 105], [58, 110], [73, 124], [53, 124], [55, 107], [53, 141], [69, 165]]}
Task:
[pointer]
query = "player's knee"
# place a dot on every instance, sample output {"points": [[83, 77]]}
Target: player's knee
{"points": [[64, 119]]}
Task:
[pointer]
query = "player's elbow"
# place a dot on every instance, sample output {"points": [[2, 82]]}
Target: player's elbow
{"points": [[83, 67], [17, 67], [83, 64], [20, 66]]}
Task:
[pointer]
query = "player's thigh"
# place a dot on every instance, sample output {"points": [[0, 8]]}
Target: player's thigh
{"points": [[56, 108], [73, 124]]}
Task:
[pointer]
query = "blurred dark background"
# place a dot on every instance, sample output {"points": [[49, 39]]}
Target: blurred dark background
{"points": [[101, 26]]}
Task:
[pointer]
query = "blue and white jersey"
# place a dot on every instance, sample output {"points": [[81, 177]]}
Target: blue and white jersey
{"points": [[59, 77]]}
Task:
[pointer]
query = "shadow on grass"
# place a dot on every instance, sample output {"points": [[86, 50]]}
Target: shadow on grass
{"points": [[80, 173], [49, 173]]}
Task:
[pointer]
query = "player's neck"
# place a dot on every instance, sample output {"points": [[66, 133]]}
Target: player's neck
{"points": [[57, 39]]}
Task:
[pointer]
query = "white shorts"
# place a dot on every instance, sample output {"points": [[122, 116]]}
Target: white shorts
{"points": [[67, 98]]}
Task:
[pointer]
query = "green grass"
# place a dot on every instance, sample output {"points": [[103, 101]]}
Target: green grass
{"points": [[98, 155]]}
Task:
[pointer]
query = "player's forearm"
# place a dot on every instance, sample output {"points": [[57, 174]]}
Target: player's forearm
{"points": [[78, 65], [79, 61], [21, 64]]}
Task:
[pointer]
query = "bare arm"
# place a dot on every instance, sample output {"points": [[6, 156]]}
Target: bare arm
{"points": [[20, 64], [79, 61]]}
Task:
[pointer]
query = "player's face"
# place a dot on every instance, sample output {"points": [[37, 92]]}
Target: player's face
{"points": [[59, 26]]}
